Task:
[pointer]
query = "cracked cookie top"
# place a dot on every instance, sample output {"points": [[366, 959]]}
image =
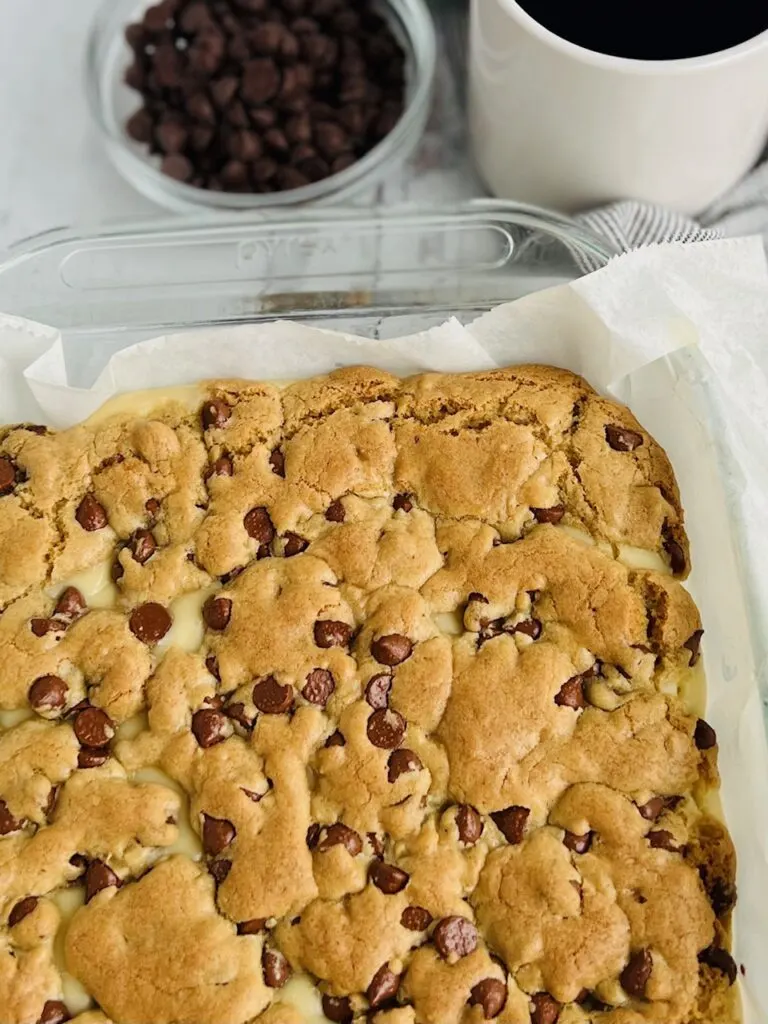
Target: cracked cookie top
{"points": [[361, 696]]}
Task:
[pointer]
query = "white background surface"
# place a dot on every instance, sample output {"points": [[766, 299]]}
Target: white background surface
{"points": [[53, 172]]}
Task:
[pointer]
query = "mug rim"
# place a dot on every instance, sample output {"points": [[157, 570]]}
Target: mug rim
{"points": [[634, 65]]}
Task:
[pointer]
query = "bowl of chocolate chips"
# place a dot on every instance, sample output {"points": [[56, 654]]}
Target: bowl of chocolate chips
{"points": [[246, 104]]}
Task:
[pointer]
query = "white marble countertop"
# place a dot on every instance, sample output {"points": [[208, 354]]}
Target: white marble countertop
{"points": [[54, 172]]}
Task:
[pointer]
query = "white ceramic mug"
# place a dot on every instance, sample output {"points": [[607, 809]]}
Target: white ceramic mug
{"points": [[561, 126]]}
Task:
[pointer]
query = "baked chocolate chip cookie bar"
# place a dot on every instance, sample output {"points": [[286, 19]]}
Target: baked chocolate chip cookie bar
{"points": [[361, 697]]}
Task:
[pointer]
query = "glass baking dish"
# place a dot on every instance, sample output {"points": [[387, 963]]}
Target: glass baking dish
{"points": [[377, 273]]}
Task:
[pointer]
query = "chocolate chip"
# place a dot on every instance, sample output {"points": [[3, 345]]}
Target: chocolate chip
{"points": [[7, 475], [209, 727], [383, 986], [392, 649], [215, 413], [635, 975], [217, 612], [150, 622], [416, 919], [54, 1012], [402, 503], [553, 514], [258, 525], [455, 937], [294, 544], [335, 512], [48, 693], [332, 633], [142, 545], [237, 713], [377, 691], [653, 808], [386, 728], [491, 995], [93, 727], [693, 644], [318, 687], [220, 870], [337, 1008], [272, 698], [622, 439], [387, 878], [721, 892], [313, 835], [218, 834], [720, 960], [661, 839], [41, 627], [512, 822], [70, 603], [704, 735], [677, 562], [8, 823], [53, 799], [276, 968], [469, 824], [90, 514], [528, 627], [277, 462], [252, 927], [21, 910], [401, 762], [212, 664], [571, 694], [92, 757], [377, 844], [260, 82], [117, 571], [99, 876], [336, 740], [340, 835], [577, 843], [545, 1010]]}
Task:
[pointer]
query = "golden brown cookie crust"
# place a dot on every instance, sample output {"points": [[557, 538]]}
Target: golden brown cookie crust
{"points": [[382, 687]]}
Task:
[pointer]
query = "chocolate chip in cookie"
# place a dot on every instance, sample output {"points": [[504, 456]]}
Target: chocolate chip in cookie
{"points": [[277, 970], [98, 876], [546, 1010], [215, 413], [142, 544], [209, 727], [491, 995], [720, 960], [48, 693], [216, 612], [294, 544], [150, 622], [93, 727], [571, 694], [340, 835], [386, 729], [318, 687], [220, 869], [336, 739], [577, 843], [704, 736], [455, 937], [92, 757], [91, 514], [402, 503], [21, 910], [512, 822], [416, 919], [337, 1008], [332, 633], [258, 525], [401, 762], [252, 927], [635, 975], [392, 649], [622, 439], [70, 604], [277, 462], [553, 514], [652, 808], [54, 1012], [218, 834], [335, 513], [661, 839], [693, 643], [377, 691], [7, 475], [469, 823], [271, 698], [383, 986], [387, 878]]}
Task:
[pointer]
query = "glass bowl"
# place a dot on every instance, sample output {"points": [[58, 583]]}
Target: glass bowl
{"points": [[112, 102]]}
